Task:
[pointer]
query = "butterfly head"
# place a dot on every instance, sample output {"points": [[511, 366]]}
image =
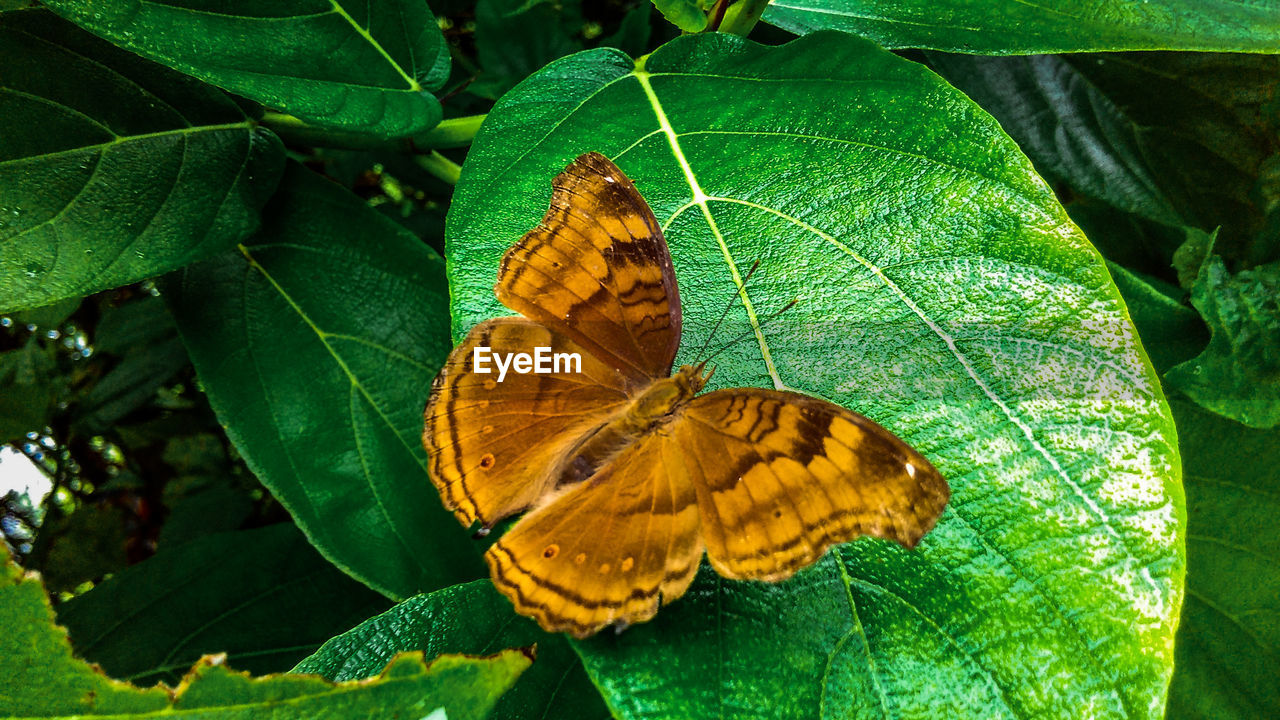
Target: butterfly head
{"points": [[701, 378], [693, 378], [662, 397]]}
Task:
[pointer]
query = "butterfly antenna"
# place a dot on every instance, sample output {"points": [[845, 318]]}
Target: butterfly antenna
{"points": [[728, 306], [751, 331]]}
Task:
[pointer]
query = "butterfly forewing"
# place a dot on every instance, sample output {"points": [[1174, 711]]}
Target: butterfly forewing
{"points": [[607, 550], [494, 446], [781, 477], [597, 270]]}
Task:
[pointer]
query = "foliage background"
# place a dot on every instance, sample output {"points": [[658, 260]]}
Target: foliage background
{"points": [[224, 300]]}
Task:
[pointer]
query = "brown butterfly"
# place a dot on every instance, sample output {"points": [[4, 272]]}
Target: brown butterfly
{"points": [[627, 475]]}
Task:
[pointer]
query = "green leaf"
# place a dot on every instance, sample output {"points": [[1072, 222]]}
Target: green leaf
{"points": [[23, 408], [1227, 652], [205, 494], [317, 341], [687, 15], [1228, 647], [1141, 245], [203, 512], [83, 546], [1238, 374], [367, 66], [49, 316], [633, 32], [142, 335], [135, 170], [1176, 138], [943, 292], [516, 37], [470, 618], [1014, 27], [277, 602], [30, 390], [39, 678], [1171, 332], [1068, 127], [1191, 256]]}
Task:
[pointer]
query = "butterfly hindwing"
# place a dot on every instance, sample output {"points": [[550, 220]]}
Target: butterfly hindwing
{"points": [[782, 476], [607, 550], [597, 270], [493, 445]]}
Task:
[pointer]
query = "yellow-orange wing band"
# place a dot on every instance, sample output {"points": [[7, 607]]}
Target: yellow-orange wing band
{"points": [[781, 477], [608, 550], [493, 447], [597, 270]]}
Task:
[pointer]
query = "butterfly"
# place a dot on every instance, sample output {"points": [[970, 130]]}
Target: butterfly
{"points": [[627, 474]]}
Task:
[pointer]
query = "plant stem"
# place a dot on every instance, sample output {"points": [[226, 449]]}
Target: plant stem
{"points": [[451, 133], [440, 166], [743, 15], [716, 15], [282, 121], [296, 131]]}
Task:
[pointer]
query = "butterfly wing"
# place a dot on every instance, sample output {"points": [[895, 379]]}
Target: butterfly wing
{"points": [[598, 271], [780, 477], [494, 447], [607, 550]]}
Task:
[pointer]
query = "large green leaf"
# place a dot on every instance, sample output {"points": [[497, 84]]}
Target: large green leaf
{"points": [[1238, 374], [1228, 649], [317, 341], [367, 66], [277, 602], [39, 678], [113, 168], [1228, 645], [471, 618], [1016, 27], [943, 292], [514, 38], [1176, 138]]}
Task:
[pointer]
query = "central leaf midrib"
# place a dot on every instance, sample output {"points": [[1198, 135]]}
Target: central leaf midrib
{"points": [[700, 199], [341, 11]]}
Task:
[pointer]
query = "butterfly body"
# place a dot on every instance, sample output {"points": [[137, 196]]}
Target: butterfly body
{"points": [[627, 474], [665, 396], [652, 408]]}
